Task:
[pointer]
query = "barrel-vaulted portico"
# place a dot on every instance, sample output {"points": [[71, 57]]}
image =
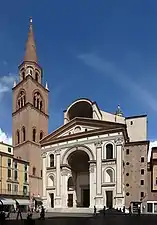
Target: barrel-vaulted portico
{"points": [[76, 176]]}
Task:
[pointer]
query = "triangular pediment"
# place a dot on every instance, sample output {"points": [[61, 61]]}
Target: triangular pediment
{"points": [[79, 126]]}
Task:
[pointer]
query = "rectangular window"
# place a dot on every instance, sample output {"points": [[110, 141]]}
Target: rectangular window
{"points": [[24, 190], [142, 182], [142, 171], [15, 165], [15, 175], [9, 149], [34, 171], [127, 151], [149, 207], [156, 181], [142, 194], [25, 177], [9, 162], [9, 187], [155, 207], [25, 167], [142, 159], [15, 188], [41, 173], [9, 173]]}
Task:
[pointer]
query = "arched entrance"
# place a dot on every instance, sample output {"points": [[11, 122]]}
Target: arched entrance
{"points": [[78, 183]]}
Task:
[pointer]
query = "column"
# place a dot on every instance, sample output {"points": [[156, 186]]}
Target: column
{"points": [[44, 195], [99, 197], [58, 180], [119, 173]]}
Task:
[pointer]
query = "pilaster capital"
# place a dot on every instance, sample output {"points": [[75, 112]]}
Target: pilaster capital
{"points": [[57, 151], [43, 155], [98, 144], [91, 168], [119, 141]]}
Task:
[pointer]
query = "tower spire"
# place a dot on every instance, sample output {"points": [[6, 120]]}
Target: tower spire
{"points": [[30, 51]]}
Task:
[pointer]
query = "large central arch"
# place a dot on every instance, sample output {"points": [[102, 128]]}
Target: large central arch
{"points": [[78, 185]]}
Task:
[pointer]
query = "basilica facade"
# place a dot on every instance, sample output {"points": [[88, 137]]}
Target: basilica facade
{"points": [[88, 161]]}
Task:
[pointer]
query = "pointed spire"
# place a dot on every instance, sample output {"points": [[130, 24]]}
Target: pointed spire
{"points": [[30, 51], [14, 83], [46, 86]]}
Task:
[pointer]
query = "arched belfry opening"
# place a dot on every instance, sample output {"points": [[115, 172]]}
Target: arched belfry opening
{"points": [[78, 183], [81, 108]]}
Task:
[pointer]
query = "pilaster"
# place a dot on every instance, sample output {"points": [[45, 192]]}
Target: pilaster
{"points": [[119, 198], [58, 180], [99, 197]]}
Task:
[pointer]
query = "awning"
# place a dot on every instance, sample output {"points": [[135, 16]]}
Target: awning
{"points": [[38, 199], [23, 201], [7, 201]]}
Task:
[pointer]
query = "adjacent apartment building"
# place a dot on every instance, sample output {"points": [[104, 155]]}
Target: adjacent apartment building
{"points": [[14, 179]]}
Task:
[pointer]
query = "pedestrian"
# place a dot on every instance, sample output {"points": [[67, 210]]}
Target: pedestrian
{"points": [[139, 210], [124, 209], [42, 214], [94, 210], [104, 210]]}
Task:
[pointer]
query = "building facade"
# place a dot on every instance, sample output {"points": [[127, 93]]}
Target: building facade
{"points": [[14, 179], [30, 114], [95, 159]]}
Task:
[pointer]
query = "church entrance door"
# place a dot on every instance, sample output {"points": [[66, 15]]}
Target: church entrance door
{"points": [[109, 199], [86, 197], [52, 200]]}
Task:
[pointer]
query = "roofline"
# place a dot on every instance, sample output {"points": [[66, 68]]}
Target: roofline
{"points": [[134, 117], [6, 144], [88, 133], [75, 120]]}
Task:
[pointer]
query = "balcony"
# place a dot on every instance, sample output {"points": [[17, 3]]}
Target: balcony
{"points": [[14, 193]]}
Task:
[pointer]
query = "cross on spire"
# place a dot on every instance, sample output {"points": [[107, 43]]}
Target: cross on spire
{"points": [[30, 50]]}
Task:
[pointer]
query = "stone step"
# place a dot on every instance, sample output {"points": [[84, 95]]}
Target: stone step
{"points": [[71, 210]]}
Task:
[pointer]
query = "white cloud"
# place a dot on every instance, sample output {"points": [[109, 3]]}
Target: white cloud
{"points": [[151, 145], [108, 69], [6, 84], [5, 138]]}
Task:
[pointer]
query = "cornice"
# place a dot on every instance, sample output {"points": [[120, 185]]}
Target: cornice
{"points": [[31, 105], [29, 77]]}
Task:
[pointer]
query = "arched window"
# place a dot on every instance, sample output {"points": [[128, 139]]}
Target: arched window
{"points": [[109, 176], [18, 137], [23, 134], [52, 160], [70, 184], [21, 101], [37, 101], [41, 135], [109, 151], [23, 75], [50, 181], [36, 76], [34, 134]]}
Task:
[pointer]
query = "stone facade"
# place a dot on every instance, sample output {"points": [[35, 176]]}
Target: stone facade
{"points": [[105, 142]]}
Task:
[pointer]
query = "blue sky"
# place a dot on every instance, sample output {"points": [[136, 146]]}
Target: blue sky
{"points": [[105, 50]]}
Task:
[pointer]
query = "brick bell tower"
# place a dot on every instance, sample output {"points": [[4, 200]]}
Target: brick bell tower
{"points": [[30, 114]]}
